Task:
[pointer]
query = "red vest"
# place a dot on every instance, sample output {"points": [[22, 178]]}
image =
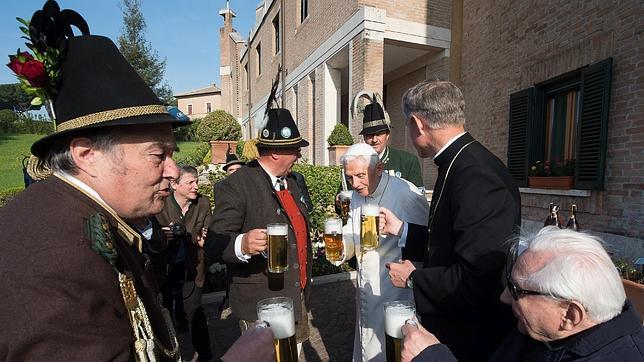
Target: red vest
{"points": [[299, 226]]}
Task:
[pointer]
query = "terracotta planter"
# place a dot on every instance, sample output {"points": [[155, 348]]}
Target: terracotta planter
{"points": [[635, 293], [335, 152], [218, 150], [556, 182]]}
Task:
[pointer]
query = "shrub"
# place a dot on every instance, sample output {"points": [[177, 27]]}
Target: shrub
{"points": [[218, 126], [187, 133], [340, 136], [195, 157]]}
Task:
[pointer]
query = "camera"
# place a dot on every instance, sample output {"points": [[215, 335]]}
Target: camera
{"points": [[178, 230]]}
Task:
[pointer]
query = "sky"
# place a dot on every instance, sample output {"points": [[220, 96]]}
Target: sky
{"points": [[184, 32]]}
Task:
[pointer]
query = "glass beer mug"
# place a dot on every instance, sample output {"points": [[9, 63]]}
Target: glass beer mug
{"points": [[277, 247], [396, 313], [345, 203], [278, 313], [333, 247], [369, 227]]}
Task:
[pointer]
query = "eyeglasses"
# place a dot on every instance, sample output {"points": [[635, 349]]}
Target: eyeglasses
{"points": [[516, 292]]}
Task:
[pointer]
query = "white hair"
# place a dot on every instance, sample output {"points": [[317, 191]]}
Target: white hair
{"points": [[363, 152], [577, 268]]}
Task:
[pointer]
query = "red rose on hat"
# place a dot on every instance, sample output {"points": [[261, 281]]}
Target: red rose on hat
{"points": [[34, 72], [17, 61], [23, 64]]}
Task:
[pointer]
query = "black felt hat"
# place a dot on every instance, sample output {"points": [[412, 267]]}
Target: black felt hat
{"points": [[278, 129], [232, 159], [97, 85], [374, 119]]}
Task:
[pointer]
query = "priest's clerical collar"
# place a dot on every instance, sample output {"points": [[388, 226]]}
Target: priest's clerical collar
{"points": [[448, 144]]}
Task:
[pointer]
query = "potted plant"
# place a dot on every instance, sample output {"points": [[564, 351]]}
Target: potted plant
{"points": [[552, 175], [222, 131], [339, 140], [633, 280]]}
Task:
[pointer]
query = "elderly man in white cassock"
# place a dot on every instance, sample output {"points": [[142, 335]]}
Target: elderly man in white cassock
{"points": [[392, 195]]}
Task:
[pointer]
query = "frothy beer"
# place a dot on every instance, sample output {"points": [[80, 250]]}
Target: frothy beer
{"points": [[278, 313], [369, 227], [396, 313], [333, 246], [277, 247]]}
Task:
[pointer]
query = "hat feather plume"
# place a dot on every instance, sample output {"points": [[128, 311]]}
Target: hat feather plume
{"points": [[378, 99], [272, 98]]}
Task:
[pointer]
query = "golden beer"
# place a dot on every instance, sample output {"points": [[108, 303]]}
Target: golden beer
{"points": [[333, 247], [393, 347], [369, 227], [278, 313], [277, 247], [396, 313]]}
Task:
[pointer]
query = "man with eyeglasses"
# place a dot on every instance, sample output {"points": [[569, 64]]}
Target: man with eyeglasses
{"points": [[568, 299]]}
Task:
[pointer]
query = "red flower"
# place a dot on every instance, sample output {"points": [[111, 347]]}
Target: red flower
{"points": [[34, 72], [24, 65], [17, 61]]}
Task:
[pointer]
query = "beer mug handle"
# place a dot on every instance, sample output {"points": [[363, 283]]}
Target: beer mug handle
{"points": [[265, 253], [348, 241]]}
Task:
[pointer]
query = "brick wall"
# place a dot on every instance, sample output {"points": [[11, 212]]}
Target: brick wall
{"points": [[433, 12], [509, 46]]}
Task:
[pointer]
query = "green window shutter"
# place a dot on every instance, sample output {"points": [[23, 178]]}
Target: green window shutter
{"points": [[521, 114], [593, 126]]}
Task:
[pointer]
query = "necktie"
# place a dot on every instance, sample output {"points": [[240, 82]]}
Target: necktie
{"points": [[281, 184]]}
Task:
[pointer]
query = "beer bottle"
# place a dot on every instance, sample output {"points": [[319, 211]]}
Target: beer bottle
{"points": [[553, 216], [572, 221]]}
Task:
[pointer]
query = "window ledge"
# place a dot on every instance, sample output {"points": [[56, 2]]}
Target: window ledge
{"points": [[573, 192]]}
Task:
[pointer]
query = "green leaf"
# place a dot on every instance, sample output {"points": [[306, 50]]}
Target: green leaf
{"points": [[23, 21], [37, 101]]}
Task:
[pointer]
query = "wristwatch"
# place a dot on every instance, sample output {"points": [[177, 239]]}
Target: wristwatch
{"points": [[410, 281]]}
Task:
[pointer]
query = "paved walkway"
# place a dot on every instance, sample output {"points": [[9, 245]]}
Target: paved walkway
{"points": [[332, 320]]}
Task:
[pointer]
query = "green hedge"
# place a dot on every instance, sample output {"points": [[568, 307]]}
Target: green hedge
{"points": [[12, 122], [218, 126], [194, 157]]}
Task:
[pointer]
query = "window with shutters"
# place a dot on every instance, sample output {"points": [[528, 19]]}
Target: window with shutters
{"points": [[564, 118]]}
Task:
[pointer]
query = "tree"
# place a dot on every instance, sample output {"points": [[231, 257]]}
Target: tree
{"points": [[14, 98], [139, 52]]}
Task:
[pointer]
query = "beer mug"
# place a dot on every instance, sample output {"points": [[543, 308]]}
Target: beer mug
{"points": [[333, 246], [396, 313], [345, 202], [369, 227], [278, 313], [277, 247]]}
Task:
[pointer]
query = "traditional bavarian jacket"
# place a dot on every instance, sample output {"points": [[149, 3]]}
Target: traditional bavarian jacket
{"points": [[402, 164], [61, 299], [374, 284]]}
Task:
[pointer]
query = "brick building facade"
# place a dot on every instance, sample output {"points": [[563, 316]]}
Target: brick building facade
{"points": [[510, 46], [199, 102], [496, 51], [331, 51]]}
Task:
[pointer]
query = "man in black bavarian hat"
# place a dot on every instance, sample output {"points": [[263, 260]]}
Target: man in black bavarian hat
{"points": [[376, 132], [263, 192], [233, 163], [75, 283]]}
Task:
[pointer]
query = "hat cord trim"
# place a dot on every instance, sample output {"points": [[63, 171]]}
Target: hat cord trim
{"points": [[379, 122], [278, 142], [111, 115]]}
